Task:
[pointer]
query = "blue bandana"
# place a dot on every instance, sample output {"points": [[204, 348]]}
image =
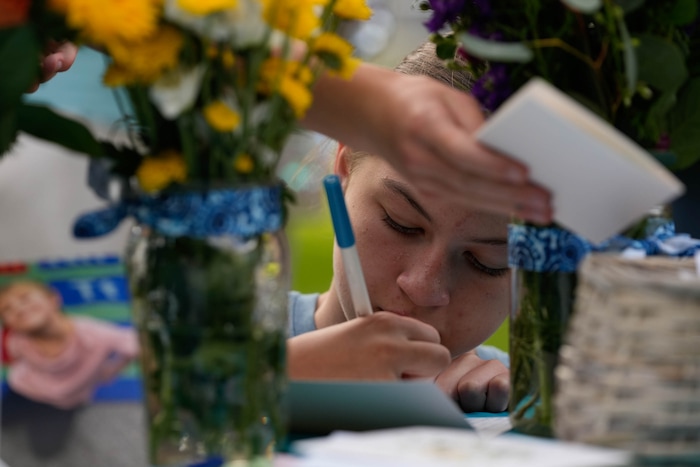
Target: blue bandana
{"points": [[552, 249], [242, 212]]}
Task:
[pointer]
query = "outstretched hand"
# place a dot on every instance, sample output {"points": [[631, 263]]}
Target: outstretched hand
{"points": [[476, 385], [59, 57], [383, 346], [425, 130]]}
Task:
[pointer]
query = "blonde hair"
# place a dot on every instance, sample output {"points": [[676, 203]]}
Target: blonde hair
{"points": [[424, 61]]}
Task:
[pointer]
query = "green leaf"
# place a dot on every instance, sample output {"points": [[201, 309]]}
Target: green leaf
{"points": [[684, 125], [44, 123], [628, 6], [684, 12], [8, 129], [19, 63], [446, 50], [584, 6], [126, 160], [494, 50], [661, 63]]}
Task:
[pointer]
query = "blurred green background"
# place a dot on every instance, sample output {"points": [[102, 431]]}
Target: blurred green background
{"points": [[310, 234]]}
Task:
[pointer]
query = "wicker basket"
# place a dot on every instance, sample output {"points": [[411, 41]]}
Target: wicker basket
{"points": [[629, 371]]}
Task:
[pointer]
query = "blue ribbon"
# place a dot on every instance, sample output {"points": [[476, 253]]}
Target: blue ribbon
{"points": [[552, 249], [245, 212]]}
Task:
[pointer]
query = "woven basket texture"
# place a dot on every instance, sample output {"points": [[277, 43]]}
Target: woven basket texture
{"points": [[629, 370]]}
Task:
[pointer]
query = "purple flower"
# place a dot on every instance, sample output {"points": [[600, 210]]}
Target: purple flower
{"points": [[444, 11], [493, 87]]}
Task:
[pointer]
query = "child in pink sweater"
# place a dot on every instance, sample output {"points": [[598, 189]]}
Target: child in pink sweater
{"points": [[54, 358]]}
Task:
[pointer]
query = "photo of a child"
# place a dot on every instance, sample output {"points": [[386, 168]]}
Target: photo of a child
{"points": [[56, 358]]}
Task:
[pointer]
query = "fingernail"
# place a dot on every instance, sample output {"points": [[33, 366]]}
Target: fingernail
{"points": [[59, 65]]}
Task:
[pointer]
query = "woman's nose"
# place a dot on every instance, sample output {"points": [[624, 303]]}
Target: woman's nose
{"points": [[426, 280]]}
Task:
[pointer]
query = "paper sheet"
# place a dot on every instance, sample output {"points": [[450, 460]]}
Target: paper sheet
{"points": [[449, 447], [601, 181]]}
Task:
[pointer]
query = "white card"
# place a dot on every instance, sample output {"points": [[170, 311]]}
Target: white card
{"points": [[601, 180], [449, 447]]}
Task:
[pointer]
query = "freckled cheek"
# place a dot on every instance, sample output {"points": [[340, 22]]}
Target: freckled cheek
{"points": [[380, 257], [484, 308]]}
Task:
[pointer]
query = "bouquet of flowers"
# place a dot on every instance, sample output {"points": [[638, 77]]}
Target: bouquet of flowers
{"points": [[214, 86], [635, 63], [211, 89]]}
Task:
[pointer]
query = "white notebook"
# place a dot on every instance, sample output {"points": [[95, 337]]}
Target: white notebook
{"points": [[601, 180]]}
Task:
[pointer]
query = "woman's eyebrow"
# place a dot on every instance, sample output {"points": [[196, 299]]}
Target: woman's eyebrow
{"points": [[402, 189]]}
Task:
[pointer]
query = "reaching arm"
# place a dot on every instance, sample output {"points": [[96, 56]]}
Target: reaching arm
{"points": [[425, 130]]}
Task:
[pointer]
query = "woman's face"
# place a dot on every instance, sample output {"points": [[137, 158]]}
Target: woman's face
{"points": [[427, 258], [27, 308]]}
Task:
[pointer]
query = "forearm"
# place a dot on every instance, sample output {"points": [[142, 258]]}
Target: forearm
{"points": [[342, 107]]}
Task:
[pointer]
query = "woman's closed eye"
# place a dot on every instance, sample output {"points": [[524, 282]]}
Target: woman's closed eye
{"points": [[402, 229], [494, 272]]}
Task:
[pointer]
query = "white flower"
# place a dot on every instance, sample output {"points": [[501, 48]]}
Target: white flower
{"points": [[242, 26], [176, 91]]}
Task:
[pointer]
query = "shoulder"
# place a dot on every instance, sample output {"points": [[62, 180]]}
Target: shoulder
{"points": [[301, 308]]}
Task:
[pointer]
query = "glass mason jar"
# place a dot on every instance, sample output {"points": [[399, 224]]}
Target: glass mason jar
{"points": [[544, 262], [210, 306]]}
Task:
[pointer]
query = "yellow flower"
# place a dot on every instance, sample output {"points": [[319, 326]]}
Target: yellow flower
{"points": [[291, 80], [206, 7], [221, 117], [297, 95], [225, 56], [244, 164], [352, 9], [296, 18], [104, 21], [336, 53], [144, 61], [156, 173]]}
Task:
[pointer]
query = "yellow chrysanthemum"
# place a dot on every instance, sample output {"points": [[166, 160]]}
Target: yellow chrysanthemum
{"points": [[347, 68], [336, 53], [101, 22], [221, 117], [144, 61], [156, 173], [244, 164], [206, 7], [352, 9], [291, 80], [296, 18]]}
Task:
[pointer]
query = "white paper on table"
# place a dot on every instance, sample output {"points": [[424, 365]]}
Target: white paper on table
{"points": [[449, 447], [601, 180]]}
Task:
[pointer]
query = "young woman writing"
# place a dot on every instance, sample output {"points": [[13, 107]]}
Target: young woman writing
{"points": [[437, 276]]}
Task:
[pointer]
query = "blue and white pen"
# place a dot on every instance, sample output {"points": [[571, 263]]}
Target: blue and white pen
{"points": [[346, 241]]}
